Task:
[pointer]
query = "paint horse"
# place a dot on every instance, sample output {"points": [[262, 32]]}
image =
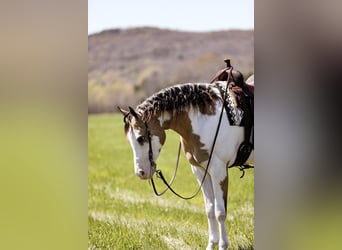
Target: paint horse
{"points": [[193, 111]]}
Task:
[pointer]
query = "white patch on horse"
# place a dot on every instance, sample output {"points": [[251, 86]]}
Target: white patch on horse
{"points": [[142, 165], [164, 117]]}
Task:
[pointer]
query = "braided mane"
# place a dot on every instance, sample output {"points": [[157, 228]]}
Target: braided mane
{"points": [[178, 98]]}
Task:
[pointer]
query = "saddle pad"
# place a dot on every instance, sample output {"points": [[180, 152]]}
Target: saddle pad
{"points": [[234, 112]]}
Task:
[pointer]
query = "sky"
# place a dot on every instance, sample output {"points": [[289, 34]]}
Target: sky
{"points": [[188, 15]]}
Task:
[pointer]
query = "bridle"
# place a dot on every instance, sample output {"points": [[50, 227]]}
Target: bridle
{"points": [[153, 165]]}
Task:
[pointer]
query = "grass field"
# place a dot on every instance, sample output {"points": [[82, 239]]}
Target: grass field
{"points": [[123, 212]]}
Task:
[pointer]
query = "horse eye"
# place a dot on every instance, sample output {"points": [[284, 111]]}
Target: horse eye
{"points": [[141, 140]]}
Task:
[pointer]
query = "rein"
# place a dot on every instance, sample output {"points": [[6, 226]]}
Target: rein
{"points": [[153, 164], [159, 172]]}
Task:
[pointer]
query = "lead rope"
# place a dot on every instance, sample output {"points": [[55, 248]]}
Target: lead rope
{"points": [[159, 172]]}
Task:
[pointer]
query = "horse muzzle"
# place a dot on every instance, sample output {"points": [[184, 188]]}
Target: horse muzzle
{"points": [[145, 175]]}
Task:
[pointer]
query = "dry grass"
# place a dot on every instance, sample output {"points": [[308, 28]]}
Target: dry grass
{"points": [[148, 59]]}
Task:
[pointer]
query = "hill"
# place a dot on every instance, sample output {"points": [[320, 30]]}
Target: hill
{"points": [[127, 65]]}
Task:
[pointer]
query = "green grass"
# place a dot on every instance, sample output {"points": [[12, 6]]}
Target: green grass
{"points": [[123, 212]]}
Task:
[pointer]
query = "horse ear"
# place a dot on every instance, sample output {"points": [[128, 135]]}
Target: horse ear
{"points": [[124, 112], [132, 111]]}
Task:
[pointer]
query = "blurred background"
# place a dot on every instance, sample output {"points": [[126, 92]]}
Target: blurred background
{"points": [[137, 48]]}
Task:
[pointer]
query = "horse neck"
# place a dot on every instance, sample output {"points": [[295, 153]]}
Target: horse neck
{"points": [[156, 128], [180, 123]]}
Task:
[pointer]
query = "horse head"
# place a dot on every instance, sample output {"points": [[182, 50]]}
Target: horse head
{"points": [[146, 138]]}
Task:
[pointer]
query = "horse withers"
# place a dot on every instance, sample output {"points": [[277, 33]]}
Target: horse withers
{"points": [[193, 111]]}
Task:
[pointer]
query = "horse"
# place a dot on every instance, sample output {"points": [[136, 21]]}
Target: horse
{"points": [[193, 111]]}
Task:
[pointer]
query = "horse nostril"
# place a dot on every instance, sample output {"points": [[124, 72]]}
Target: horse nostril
{"points": [[141, 172]]}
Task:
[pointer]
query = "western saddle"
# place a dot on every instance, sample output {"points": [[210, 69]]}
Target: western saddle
{"points": [[244, 98]]}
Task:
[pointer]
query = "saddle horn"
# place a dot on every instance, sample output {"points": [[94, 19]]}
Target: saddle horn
{"points": [[227, 61]]}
